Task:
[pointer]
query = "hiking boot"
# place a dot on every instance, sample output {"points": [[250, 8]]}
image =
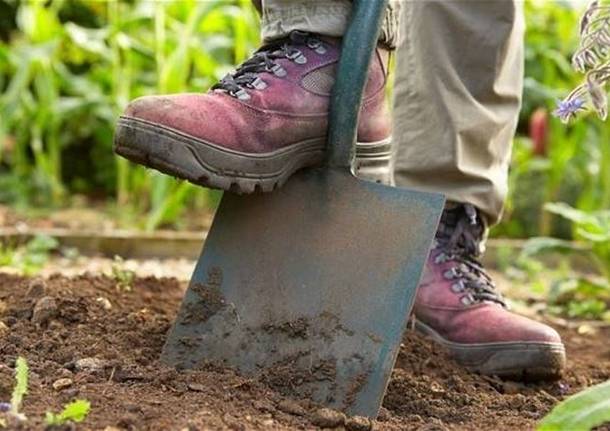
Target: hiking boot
{"points": [[258, 125], [458, 306]]}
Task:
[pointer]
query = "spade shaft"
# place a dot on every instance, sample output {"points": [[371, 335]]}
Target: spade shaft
{"points": [[358, 46]]}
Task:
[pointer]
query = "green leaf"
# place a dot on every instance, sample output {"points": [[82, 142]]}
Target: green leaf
{"points": [[42, 244], [568, 212], [21, 384], [535, 246], [75, 411], [580, 412]]}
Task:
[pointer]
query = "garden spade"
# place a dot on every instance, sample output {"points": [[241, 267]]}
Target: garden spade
{"points": [[310, 286]]}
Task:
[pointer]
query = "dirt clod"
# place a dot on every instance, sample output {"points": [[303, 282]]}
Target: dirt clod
{"points": [[511, 388], [4, 329], [36, 287], [91, 365], [44, 310], [432, 427], [196, 387], [291, 407], [358, 423], [384, 415], [327, 418]]}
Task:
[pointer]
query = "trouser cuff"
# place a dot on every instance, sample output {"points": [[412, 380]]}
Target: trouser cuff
{"points": [[328, 18]]}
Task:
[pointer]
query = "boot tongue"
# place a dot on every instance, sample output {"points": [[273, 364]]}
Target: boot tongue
{"points": [[265, 60], [461, 229], [460, 238]]}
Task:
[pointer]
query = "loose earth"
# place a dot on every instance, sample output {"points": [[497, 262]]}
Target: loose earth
{"points": [[87, 338]]}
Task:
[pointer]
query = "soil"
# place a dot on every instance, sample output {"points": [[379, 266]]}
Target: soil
{"points": [[106, 342]]}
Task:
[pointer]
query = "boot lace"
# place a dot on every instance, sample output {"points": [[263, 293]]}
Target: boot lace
{"points": [[459, 237], [265, 60]]}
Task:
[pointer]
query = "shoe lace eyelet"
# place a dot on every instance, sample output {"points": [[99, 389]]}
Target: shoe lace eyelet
{"points": [[467, 300], [241, 94], [258, 84], [278, 71], [450, 274], [317, 46], [457, 287], [297, 56]]}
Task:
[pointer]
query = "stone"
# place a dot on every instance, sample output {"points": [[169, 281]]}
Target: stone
{"points": [[104, 302], [291, 407], [436, 388], [196, 387], [4, 329], [90, 364], [60, 384], [358, 423], [262, 406], [64, 373], [327, 418], [44, 310]]}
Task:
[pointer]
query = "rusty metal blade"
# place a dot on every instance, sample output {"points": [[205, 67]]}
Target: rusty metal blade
{"points": [[315, 280]]}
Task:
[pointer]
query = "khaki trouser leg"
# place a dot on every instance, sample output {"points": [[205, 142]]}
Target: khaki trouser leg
{"points": [[457, 90], [326, 17], [458, 87]]}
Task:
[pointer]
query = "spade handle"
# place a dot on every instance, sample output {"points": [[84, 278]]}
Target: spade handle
{"points": [[358, 47]]}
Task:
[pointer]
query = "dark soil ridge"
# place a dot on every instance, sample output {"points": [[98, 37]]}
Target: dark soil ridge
{"points": [[106, 342]]}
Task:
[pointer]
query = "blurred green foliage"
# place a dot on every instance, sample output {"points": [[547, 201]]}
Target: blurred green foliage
{"points": [[587, 296], [69, 67], [569, 163], [584, 411], [28, 258]]}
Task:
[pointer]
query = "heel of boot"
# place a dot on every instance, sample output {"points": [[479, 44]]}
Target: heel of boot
{"points": [[374, 162]]}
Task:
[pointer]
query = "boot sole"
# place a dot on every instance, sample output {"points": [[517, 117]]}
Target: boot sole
{"points": [[205, 164], [524, 361]]}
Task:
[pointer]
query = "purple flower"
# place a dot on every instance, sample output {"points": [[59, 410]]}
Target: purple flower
{"points": [[5, 407], [566, 109]]}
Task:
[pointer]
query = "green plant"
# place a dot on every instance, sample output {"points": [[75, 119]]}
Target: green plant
{"points": [[572, 163], [124, 277], [591, 227], [584, 297], [21, 387], [76, 411], [12, 409], [69, 67], [593, 59], [581, 412], [28, 259]]}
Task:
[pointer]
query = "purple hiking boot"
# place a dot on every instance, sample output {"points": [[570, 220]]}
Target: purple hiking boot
{"points": [[458, 306], [257, 126]]}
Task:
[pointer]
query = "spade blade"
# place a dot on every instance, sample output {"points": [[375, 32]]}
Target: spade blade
{"points": [[310, 285]]}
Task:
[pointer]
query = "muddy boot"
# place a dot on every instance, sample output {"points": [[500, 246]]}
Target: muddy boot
{"points": [[257, 126], [458, 306]]}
